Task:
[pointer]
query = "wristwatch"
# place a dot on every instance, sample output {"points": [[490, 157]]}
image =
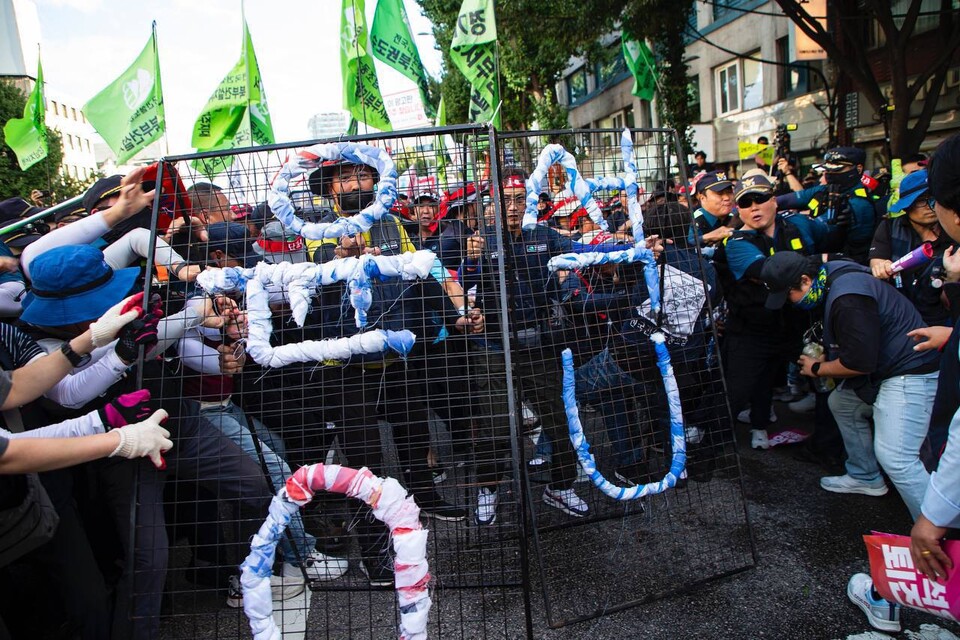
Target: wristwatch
{"points": [[75, 359], [815, 369]]}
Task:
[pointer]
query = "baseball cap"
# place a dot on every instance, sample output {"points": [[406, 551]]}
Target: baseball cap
{"points": [[232, 239], [753, 184], [912, 187], [781, 271], [426, 195], [839, 158], [101, 189], [13, 209], [714, 181], [279, 244]]}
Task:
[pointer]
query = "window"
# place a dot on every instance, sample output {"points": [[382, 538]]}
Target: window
{"points": [[899, 8], [728, 88], [53, 106], [70, 140], [577, 85], [752, 81], [796, 80], [723, 8], [628, 118], [607, 73]]}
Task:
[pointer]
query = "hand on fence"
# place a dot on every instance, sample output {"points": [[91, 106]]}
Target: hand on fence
{"points": [[105, 330], [141, 332], [147, 438], [132, 198], [126, 409], [232, 358]]}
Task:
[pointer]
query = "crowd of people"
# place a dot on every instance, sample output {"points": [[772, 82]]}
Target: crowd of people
{"points": [[123, 380]]}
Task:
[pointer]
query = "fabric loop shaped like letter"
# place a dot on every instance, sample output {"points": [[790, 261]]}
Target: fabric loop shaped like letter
{"points": [[552, 154]]}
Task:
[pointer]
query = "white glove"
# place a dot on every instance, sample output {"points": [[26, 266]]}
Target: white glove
{"points": [[145, 438], [105, 330]]}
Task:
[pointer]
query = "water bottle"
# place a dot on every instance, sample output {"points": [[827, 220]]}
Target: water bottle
{"points": [[820, 385]]}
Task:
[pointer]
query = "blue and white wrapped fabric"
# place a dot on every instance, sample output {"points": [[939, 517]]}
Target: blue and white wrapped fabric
{"points": [[582, 447], [553, 154], [310, 159], [260, 328], [299, 281]]}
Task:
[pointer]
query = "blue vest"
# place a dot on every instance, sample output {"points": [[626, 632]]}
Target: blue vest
{"points": [[897, 317]]}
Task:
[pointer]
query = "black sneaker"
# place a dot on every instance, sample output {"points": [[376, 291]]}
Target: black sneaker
{"points": [[378, 573], [432, 505]]}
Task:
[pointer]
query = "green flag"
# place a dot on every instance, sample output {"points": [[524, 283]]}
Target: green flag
{"points": [[441, 147], [393, 44], [361, 91], [27, 136], [128, 114], [236, 114], [641, 63], [474, 51]]}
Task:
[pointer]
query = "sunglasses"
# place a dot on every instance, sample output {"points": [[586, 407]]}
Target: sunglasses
{"points": [[753, 198]]}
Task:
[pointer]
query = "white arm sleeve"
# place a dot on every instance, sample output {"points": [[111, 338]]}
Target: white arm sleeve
{"points": [[82, 231], [135, 245], [10, 295], [86, 425], [83, 385], [174, 327], [198, 356]]}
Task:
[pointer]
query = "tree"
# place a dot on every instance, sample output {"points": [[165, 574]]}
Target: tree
{"points": [[844, 40], [663, 22], [536, 42], [46, 175]]}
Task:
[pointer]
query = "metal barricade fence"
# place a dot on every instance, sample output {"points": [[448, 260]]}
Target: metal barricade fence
{"points": [[440, 370]]}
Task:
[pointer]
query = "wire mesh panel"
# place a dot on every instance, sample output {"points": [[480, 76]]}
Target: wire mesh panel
{"points": [[578, 289], [334, 337]]}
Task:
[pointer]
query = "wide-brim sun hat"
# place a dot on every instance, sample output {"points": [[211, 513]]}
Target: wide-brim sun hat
{"points": [[74, 284]]}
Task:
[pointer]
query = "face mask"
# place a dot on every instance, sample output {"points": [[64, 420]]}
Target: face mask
{"points": [[815, 294], [353, 202], [847, 179]]}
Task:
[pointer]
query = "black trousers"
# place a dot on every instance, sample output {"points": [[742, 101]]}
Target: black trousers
{"points": [[752, 362]]}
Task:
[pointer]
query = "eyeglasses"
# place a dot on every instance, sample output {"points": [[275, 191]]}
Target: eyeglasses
{"points": [[932, 203], [751, 199]]}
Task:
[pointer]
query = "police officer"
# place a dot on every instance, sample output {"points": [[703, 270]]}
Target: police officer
{"points": [[712, 222], [757, 341], [912, 222], [843, 201]]}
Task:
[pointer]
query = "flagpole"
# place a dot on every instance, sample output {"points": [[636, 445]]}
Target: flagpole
{"points": [[156, 56], [46, 165], [356, 46]]}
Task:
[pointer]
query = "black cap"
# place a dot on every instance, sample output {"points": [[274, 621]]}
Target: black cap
{"points": [[76, 211], [231, 238], [715, 181], [102, 188], [837, 158], [781, 271], [13, 208]]}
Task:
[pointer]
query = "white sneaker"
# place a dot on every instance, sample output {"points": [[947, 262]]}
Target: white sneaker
{"points": [[804, 405], [694, 435], [744, 416], [758, 439], [881, 614], [846, 484], [788, 393], [566, 500], [530, 418], [318, 566], [281, 588], [486, 506]]}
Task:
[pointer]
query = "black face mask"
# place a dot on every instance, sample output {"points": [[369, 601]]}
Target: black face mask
{"points": [[353, 202], [845, 180]]}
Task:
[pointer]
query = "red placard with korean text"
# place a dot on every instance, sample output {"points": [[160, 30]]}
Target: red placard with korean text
{"points": [[896, 579]]}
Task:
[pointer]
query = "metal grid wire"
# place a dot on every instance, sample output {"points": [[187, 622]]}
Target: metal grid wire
{"points": [[447, 421], [612, 554]]}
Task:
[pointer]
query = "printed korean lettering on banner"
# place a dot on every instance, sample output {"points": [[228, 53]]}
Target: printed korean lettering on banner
{"points": [[393, 44], [641, 63], [474, 51], [897, 580], [236, 115], [128, 114], [361, 90], [748, 150], [27, 136]]}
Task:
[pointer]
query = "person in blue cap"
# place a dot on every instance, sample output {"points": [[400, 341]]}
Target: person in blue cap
{"points": [[712, 220], [912, 222], [844, 202]]}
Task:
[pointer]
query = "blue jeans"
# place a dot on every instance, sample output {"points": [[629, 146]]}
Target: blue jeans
{"points": [[901, 416], [232, 422], [602, 383]]}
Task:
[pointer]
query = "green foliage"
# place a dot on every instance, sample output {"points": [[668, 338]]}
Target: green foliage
{"points": [[663, 22], [536, 42], [46, 175]]}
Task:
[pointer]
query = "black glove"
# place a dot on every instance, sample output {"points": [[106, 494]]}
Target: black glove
{"points": [[140, 332]]}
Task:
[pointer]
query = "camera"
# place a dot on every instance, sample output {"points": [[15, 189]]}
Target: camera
{"points": [[781, 138]]}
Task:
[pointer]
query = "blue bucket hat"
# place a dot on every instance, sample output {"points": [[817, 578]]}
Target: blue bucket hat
{"points": [[74, 284], [912, 187]]}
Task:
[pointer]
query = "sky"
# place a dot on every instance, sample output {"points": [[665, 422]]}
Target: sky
{"points": [[86, 44]]}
